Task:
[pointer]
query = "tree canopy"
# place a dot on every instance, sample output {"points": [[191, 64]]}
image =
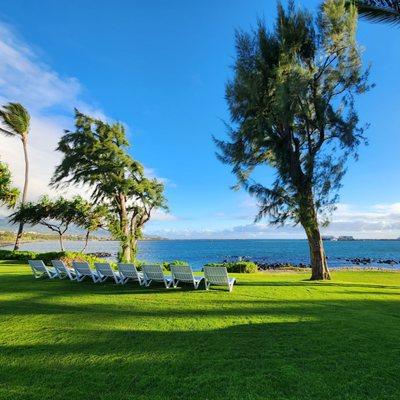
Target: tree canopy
{"points": [[8, 194], [57, 215], [291, 102]]}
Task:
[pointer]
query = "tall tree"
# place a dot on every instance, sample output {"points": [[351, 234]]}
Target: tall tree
{"points": [[291, 102], [95, 155], [386, 11], [56, 215], [16, 120], [8, 194]]}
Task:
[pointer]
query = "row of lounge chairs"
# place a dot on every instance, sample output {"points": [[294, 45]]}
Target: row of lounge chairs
{"points": [[129, 272]]}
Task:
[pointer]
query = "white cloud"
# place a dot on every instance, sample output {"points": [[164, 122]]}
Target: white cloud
{"points": [[50, 100], [160, 216], [376, 221], [151, 174]]}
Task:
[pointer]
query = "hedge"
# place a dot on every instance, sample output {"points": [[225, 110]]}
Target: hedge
{"points": [[66, 256], [243, 267]]}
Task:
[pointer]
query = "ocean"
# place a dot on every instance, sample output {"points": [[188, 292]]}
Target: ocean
{"points": [[199, 252]]}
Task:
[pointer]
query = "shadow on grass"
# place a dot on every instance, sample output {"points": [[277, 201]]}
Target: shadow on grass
{"points": [[302, 360]]}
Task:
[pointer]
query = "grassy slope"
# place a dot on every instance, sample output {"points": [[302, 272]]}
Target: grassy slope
{"points": [[275, 337]]}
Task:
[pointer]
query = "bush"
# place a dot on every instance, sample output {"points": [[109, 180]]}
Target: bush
{"points": [[65, 256], [69, 256], [242, 267], [166, 265]]}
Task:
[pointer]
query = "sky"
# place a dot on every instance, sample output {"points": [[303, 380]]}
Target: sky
{"points": [[160, 68]]}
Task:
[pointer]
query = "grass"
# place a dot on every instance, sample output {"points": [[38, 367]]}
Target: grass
{"points": [[277, 336]]}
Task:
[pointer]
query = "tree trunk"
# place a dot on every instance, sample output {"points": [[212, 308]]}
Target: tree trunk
{"points": [[60, 238], [319, 265], [309, 221], [86, 241], [24, 140], [125, 254]]}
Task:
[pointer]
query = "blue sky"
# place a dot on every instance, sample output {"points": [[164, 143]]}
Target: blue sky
{"points": [[161, 67]]}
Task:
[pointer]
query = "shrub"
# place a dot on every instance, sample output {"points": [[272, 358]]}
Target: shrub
{"points": [[65, 256], [70, 256], [243, 267], [166, 265]]}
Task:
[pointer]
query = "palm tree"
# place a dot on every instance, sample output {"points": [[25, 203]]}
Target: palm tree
{"points": [[387, 11], [16, 120]]}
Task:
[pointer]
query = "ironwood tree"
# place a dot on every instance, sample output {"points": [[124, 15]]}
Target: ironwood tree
{"points": [[291, 102], [95, 155]]}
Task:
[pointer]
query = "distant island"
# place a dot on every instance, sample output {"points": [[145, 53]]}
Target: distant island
{"points": [[7, 237]]}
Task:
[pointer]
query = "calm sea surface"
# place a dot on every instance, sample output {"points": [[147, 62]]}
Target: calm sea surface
{"points": [[199, 252]]}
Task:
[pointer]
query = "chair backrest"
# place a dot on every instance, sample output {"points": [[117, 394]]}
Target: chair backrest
{"points": [[104, 269], [60, 266], [216, 275], [127, 270], [82, 268], [182, 273], [153, 272], [38, 265]]}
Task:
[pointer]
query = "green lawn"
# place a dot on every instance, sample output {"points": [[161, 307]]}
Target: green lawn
{"points": [[276, 336]]}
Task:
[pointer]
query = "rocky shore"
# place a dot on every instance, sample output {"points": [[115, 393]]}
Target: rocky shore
{"points": [[369, 261]]}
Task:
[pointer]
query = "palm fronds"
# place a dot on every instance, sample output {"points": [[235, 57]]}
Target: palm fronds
{"points": [[16, 119], [386, 11]]}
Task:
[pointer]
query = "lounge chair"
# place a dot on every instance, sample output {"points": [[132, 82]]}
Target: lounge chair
{"points": [[82, 270], [218, 276], [129, 272], [183, 273], [40, 270], [63, 271], [156, 274], [104, 271]]}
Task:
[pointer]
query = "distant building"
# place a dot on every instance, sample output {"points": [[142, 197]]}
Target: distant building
{"points": [[345, 238], [328, 238]]}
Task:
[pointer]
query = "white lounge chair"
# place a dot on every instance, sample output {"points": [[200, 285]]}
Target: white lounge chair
{"points": [[63, 271], [218, 276], [156, 274], [83, 270], [40, 270], [129, 272], [183, 273], [104, 271]]}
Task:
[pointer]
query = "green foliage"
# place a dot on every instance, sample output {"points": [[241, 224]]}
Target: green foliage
{"points": [[95, 154], [16, 119], [166, 265], [69, 256], [243, 267], [8, 194]]}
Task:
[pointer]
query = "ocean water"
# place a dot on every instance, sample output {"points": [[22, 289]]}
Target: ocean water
{"points": [[199, 252]]}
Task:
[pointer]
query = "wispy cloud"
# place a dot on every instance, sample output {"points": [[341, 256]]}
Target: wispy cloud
{"points": [[50, 99], [376, 221], [151, 173]]}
